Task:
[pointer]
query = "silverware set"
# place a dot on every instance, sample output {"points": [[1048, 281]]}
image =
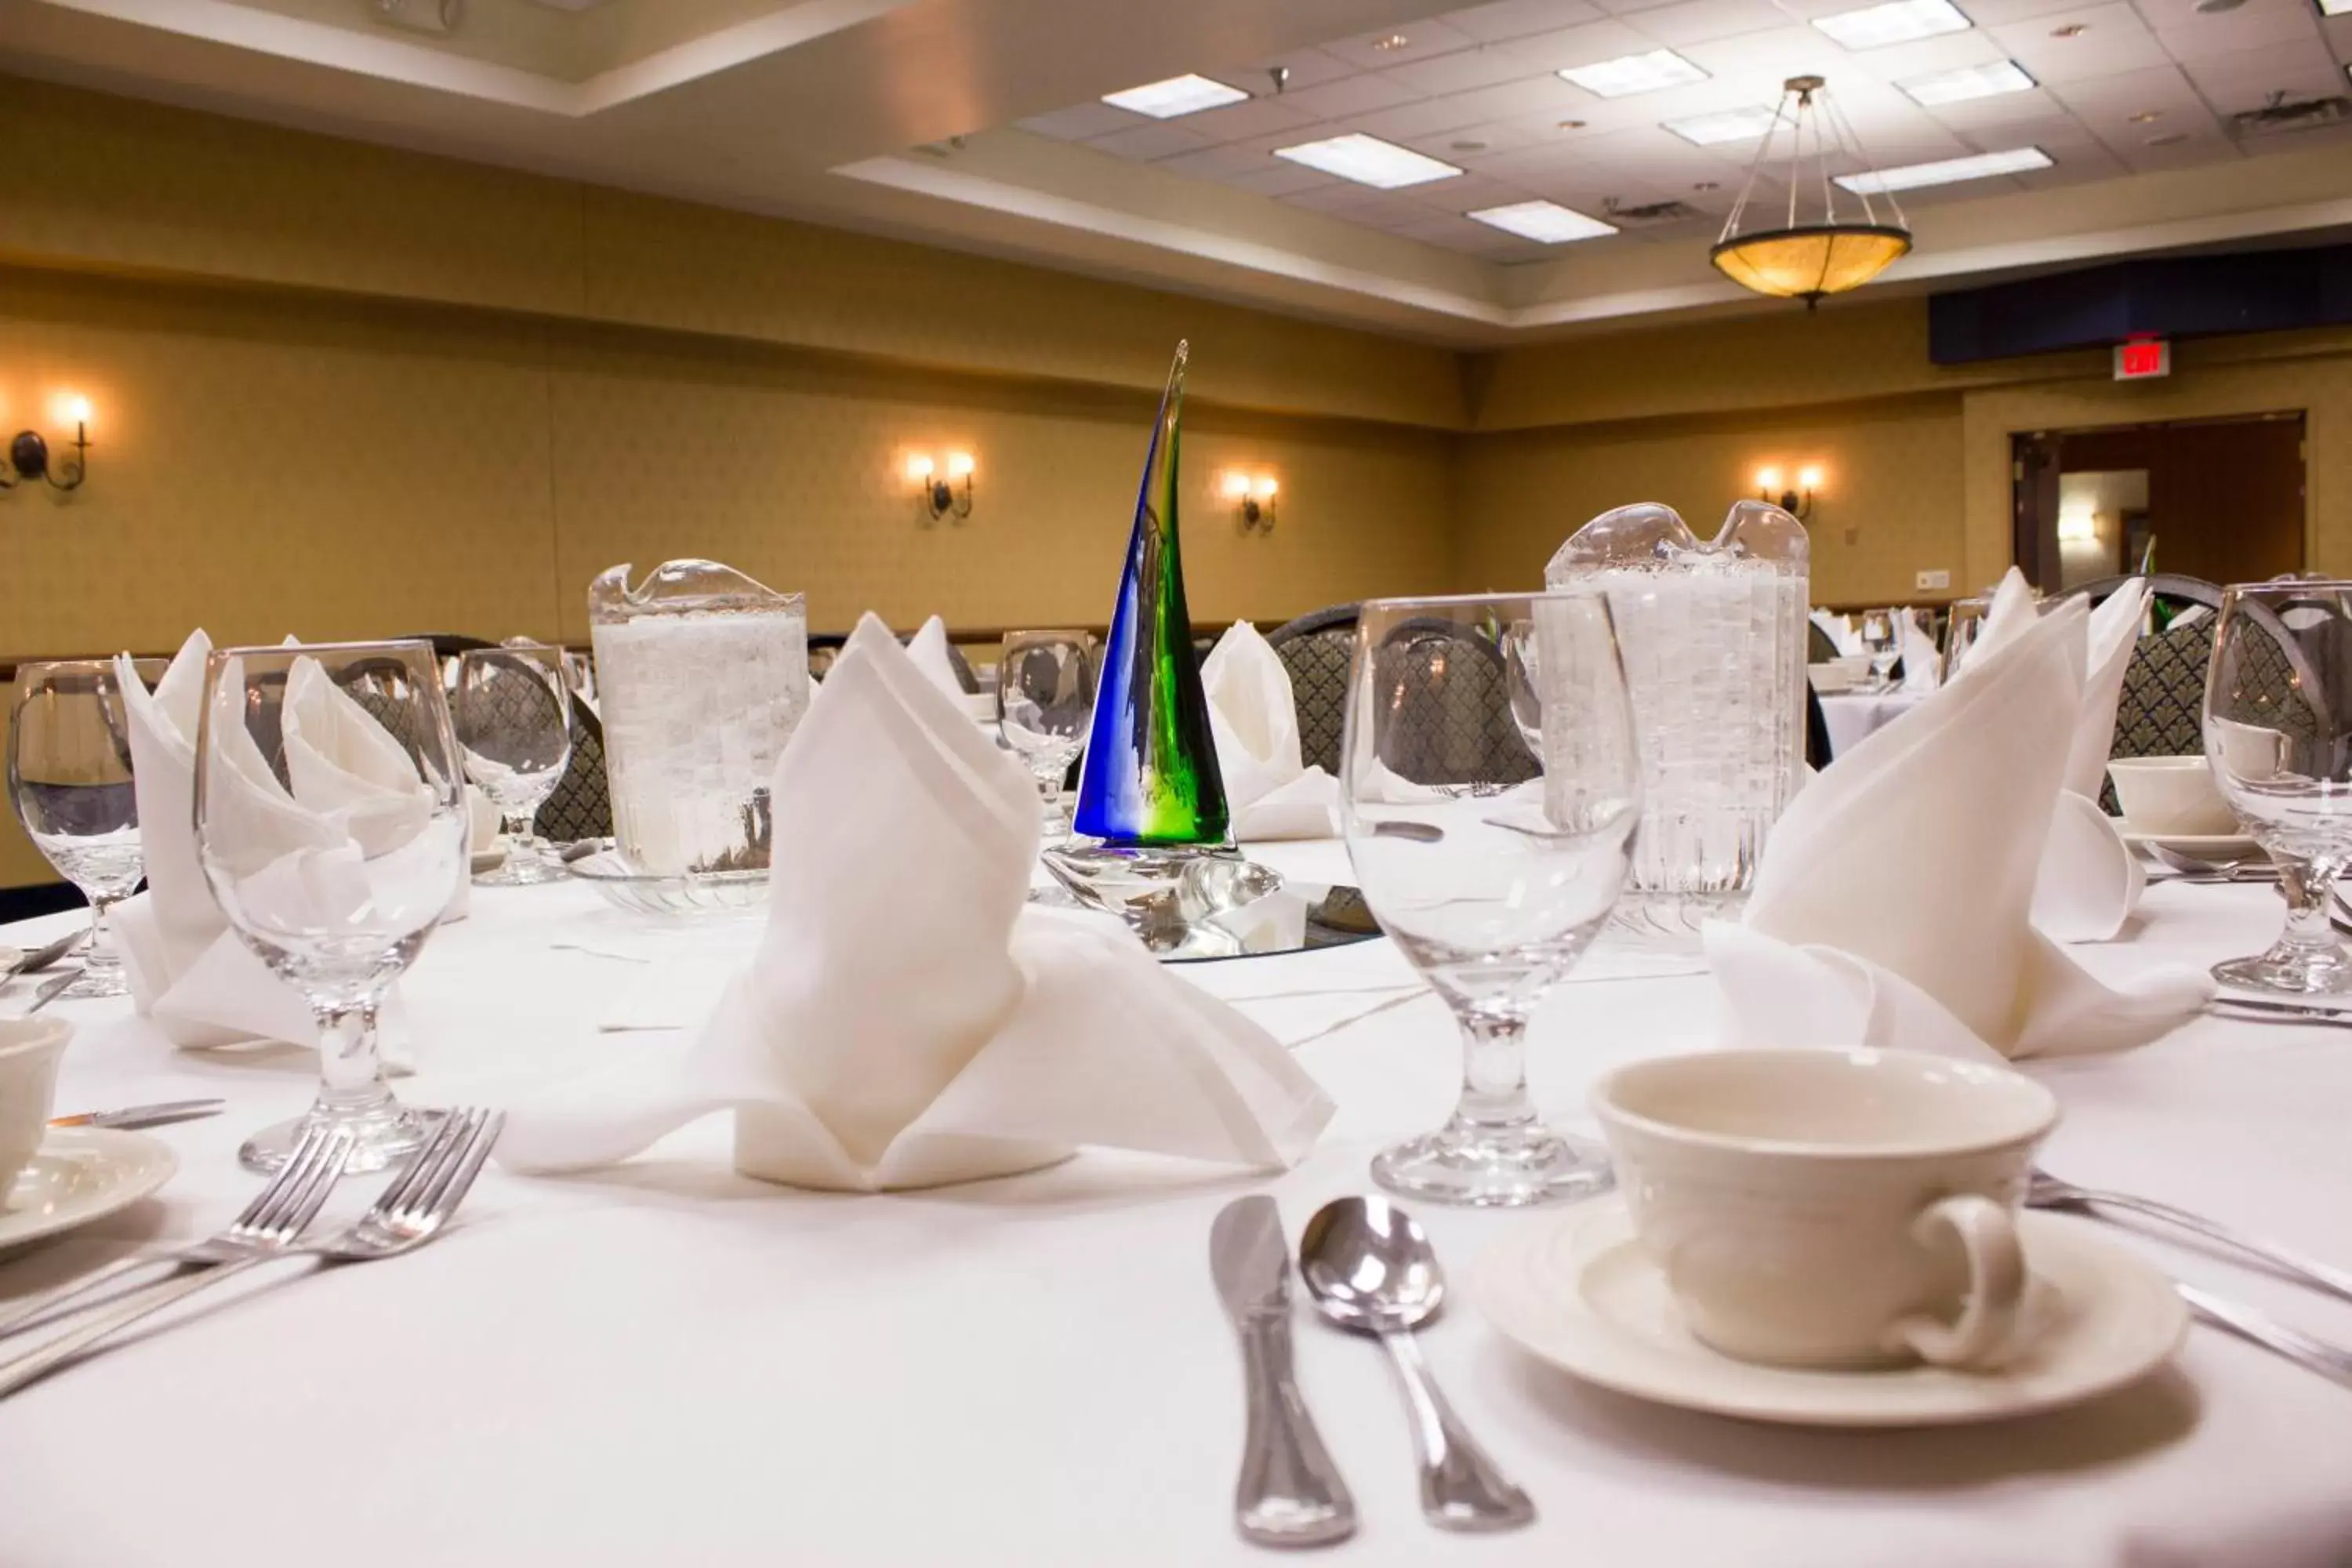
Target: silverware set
{"points": [[44, 958], [2048, 1192], [413, 1210], [1369, 1269]]}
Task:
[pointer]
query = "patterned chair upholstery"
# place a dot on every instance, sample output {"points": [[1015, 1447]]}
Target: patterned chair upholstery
{"points": [[1455, 724], [1315, 649], [581, 806], [1820, 646]]}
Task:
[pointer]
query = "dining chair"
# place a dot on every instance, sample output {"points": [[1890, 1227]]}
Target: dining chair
{"points": [[1315, 649]]}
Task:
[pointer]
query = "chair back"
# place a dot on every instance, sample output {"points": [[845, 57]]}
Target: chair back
{"points": [[1315, 649], [581, 806]]}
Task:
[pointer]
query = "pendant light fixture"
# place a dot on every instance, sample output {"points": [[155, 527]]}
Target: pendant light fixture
{"points": [[1805, 256]]}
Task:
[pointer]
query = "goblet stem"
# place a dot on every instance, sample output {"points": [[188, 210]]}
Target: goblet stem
{"points": [[1495, 1073], [2305, 885], [101, 966], [351, 1068]]}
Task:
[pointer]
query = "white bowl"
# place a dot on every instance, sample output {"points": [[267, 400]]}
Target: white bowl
{"points": [[1829, 679], [2170, 796], [29, 1050]]}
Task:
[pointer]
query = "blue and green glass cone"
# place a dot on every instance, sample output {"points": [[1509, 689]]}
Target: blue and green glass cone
{"points": [[1150, 774]]}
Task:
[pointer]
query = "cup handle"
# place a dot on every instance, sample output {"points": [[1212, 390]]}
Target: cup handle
{"points": [[1997, 1279]]}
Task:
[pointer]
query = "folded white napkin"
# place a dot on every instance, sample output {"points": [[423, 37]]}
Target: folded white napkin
{"points": [[1254, 721], [2090, 880], [906, 1022], [1840, 631], [1893, 906], [1922, 664], [929, 651], [187, 971]]}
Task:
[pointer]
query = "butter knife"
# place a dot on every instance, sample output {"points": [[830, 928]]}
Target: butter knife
{"points": [[1289, 1492], [132, 1116]]}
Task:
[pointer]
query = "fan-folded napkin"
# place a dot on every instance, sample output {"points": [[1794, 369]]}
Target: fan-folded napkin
{"points": [[929, 651], [1253, 723], [1922, 663], [906, 1023], [353, 783], [2090, 880], [1840, 631], [1893, 906]]}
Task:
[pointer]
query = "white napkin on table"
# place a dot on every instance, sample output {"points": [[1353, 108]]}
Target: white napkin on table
{"points": [[2090, 880], [929, 651], [1922, 663], [1893, 906], [906, 1022], [1253, 722], [1841, 633], [187, 971]]}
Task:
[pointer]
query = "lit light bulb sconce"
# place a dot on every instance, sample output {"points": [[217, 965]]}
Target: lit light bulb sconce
{"points": [[28, 454], [1797, 502], [1252, 497], [942, 490]]}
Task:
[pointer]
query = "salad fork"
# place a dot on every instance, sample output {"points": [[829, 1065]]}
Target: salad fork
{"points": [[410, 1212], [270, 1223]]}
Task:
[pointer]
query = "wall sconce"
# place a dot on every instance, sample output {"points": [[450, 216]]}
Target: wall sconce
{"points": [[28, 454], [936, 489], [1797, 503], [1253, 499]]}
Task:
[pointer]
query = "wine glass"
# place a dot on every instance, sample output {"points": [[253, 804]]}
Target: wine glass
{"points": [[2278, 736], [513, 717], [1881, 640], [1045, 700], [69, 779], [1960, 632], [1489, 790], [330, 824]]}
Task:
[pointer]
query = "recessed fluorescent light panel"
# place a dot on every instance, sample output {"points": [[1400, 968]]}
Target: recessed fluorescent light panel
{"points": [[1547, 222], [1970, 82], [1630, 74], [1732, 125], [1949, 172], [2336, 8], [1896, 22], [1368, 161], [1177, 95]]}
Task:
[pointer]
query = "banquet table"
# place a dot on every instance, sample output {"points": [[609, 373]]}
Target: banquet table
{"points": [[665, 1363], [1852, 715]]}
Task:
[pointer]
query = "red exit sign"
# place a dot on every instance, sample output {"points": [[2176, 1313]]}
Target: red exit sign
{"points": [[2143, 359]]}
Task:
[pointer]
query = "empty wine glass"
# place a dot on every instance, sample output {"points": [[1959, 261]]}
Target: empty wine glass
{"points": [[330, 824], [2278, 734], [69, 779], [1960, 633], [1489, 790], [513, 718], [1045, 700], [1881, 640]]}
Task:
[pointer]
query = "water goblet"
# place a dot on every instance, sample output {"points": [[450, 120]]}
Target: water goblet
{"points": [[513, 718], [1881, 640], [330, 825], [1045, 700], [2278, 736], [1489, 791], [69, 781]]}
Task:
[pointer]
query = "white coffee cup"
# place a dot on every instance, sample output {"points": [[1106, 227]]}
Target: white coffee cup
{"points": [[1832, 1208], [29, 1050], [2175, 795]]}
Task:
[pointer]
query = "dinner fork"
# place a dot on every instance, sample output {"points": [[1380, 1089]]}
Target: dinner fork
{"points": [[2044, 1191], [269, 1223], [2312, 1354], [410, 1212]]}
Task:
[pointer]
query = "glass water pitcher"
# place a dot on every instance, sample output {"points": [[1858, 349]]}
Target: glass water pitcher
{"points": [[703, 675]]}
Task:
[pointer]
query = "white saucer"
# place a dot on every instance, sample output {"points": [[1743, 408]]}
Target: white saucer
{"points": [[1578, 1292], [2198, 846], [80, 1175]]}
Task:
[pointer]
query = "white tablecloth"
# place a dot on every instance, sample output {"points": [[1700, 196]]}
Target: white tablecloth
{"points": [[668, 1363], [1851, 715]]}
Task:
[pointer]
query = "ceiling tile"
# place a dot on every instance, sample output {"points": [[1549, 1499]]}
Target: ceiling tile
{"points": [[1584, 46], [1469, 141], [1534, 97], [1703, 21], [1258, 117], [1423, 40], [2209, 147], [1926, 57], [2116, 97], [2001, 109], [1518, 18], [2189, 35], [1461, 70], [1308, 67], [1348, 200], [1077, 123], [2243, 81], [2001, 13], [1425, 117], [1163, 138], [1279, 179], [2338, 32], [1218, 162], [2112, 40], [1349, 95], [1464, 195], [1630, 7], [1753, 66]]}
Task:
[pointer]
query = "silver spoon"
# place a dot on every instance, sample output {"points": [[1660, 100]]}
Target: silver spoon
{"points": [[1372, 1270], [2257, 866]]}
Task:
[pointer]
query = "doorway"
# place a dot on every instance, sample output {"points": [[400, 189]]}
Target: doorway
{"points": [[2217, 498]]}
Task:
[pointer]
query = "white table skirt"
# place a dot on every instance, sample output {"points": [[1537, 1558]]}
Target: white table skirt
{"points": [[1851, 715], [668, 1363]]}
